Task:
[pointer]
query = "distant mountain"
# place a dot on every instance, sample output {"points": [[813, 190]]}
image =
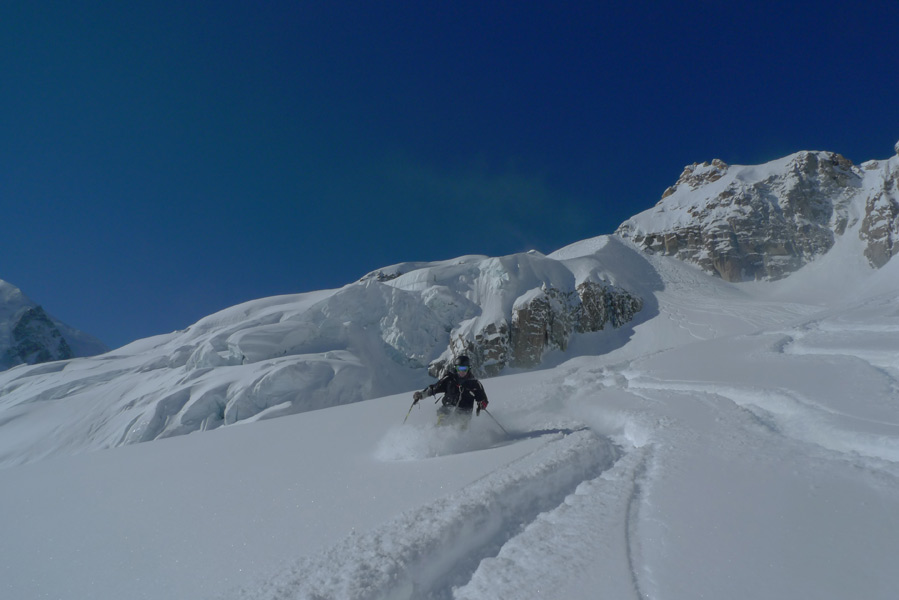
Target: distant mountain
{"points": [[767, 221], [28, 335]]}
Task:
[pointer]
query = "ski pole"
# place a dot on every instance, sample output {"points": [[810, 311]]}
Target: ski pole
{"points": [[414, 402], [495, 421]]}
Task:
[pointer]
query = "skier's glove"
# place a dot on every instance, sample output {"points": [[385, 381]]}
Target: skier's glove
{"points": [[416, 397], [481, 406]]}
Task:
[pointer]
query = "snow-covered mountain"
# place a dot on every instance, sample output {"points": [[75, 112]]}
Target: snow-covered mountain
{"points": [[685, 436], [291, 354], [766, 221], [28, 335]]}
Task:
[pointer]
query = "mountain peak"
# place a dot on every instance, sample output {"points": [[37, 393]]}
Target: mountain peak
{"points": [[766, 221], [28, 335], [698, 174]]}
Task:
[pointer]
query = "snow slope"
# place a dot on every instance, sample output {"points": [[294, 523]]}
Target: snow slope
{"points": [[741, 443]]}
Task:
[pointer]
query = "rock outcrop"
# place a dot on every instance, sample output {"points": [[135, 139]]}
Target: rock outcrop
{"points": [[767, 221], [542, 320], [880, 225]]}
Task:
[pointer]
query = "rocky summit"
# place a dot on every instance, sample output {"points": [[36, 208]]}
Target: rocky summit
{"points": [[767, 221]]}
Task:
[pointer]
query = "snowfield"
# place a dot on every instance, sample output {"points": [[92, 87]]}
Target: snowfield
{"points": [[741, 441]]}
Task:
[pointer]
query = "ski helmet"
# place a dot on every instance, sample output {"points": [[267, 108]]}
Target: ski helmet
{"points": [[462, 361]]}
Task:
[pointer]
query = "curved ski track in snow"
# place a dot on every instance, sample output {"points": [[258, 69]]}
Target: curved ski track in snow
{"points": [[430, 551], [604, 510]]}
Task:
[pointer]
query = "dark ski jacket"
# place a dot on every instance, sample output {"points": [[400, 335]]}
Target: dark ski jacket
{"points": [[461, 392]]}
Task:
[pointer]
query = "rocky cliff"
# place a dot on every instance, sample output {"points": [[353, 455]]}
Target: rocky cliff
{"points": [[880, 225], [542, 320], [767, 221]]}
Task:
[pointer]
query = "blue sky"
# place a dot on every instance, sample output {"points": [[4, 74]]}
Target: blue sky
{"points": [[161, 161]]}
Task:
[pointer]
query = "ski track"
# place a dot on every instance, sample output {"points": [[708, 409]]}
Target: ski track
{"points": [[603, 510], [633, 518], [429, 552], [804, 414], [789, 414]]}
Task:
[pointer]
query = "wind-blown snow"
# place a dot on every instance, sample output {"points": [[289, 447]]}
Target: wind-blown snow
{"points": [[741, 442]]}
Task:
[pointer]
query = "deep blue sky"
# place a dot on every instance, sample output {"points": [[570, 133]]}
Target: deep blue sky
{"points": [[163, 160]]}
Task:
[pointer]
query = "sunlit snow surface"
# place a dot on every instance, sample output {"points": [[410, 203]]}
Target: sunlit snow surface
{"points": [[743, 443]]}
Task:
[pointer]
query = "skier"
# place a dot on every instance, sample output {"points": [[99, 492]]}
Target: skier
{"points": [[461, 392]]}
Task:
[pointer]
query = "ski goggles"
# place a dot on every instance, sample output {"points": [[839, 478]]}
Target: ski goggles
{"points": [[462, 369]]}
